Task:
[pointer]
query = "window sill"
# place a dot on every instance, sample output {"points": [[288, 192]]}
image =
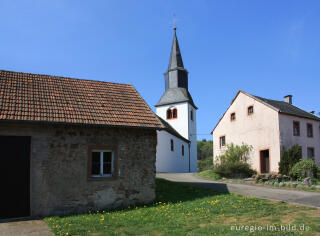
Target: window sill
{"points": [[101, 178]]}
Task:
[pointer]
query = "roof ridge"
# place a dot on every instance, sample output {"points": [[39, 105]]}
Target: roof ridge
{"points": [[287, 104], [61, 77]]}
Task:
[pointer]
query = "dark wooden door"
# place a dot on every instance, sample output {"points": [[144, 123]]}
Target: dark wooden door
{"points": [[264, 161], [14, 176]]}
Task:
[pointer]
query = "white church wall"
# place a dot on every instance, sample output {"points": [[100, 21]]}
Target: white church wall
{"points": [[171, 161], [181, 122], [185, 126], [192, 123]]}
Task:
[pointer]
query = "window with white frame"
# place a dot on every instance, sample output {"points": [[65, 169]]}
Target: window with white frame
{"points": [[102, 163], [222, 141]]}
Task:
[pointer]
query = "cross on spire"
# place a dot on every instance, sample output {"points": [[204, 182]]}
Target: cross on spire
{"points": [[174, 21]]}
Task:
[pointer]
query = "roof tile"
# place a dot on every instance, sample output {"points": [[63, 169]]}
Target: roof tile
{"points": [[33, 97]]}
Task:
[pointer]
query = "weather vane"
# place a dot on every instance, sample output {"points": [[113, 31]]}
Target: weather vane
{"points": [[174, 21]]}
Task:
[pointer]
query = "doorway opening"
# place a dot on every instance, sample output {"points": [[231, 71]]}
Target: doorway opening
{"points": [[264, 161], [14, 176]]}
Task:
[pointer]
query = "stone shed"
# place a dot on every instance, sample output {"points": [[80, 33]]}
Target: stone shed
{"points": [[72, 145]]}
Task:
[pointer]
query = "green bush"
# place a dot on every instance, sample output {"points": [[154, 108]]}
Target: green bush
{"points": [[303, 169], [234, 170], [233, 162], [235, 153], [289, 158], [205, 164]]}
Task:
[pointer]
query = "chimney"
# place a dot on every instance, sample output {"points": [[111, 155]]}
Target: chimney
{"points": [[312, 112], [288, 99]]}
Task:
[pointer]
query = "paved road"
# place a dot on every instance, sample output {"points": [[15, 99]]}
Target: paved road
{"points": [[25, 228], [286, 195]]}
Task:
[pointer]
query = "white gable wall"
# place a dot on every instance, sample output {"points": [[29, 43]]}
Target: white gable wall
{"points": [[288, 139], [260, 130], [171, 161]]}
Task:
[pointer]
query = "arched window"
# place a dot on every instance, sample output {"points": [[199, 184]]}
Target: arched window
{"points": [[169, 114], [174, 113], [172, 145], [182, 150]]}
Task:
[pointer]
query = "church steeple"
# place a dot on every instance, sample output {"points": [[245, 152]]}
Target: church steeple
{"points": [[176, 75], [176, 78], [175, 56]]}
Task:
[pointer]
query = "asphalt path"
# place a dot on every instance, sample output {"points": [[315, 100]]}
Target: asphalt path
{"points": [[286, 195]]}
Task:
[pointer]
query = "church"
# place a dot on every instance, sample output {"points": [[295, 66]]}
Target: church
{"points": [[177, 142]]}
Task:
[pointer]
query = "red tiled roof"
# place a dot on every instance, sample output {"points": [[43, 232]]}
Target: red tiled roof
{"points": [[44, 98]]}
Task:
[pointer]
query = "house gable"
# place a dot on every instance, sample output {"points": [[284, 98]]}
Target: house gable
{"points": [[256, 99], [248, 128]]}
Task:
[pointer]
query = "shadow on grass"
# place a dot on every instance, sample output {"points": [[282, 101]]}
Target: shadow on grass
{"points": [[167, 191], [173, 192]]}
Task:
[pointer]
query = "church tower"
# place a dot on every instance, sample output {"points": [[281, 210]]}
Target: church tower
{"points": [[176, 106]]}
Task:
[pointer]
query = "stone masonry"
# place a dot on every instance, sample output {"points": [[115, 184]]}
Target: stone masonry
{"points": [[59, 181]]}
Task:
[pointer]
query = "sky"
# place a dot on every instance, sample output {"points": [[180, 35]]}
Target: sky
{"points": [[268, 48]]}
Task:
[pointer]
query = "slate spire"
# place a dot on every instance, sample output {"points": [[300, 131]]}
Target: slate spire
{"points": [[175, 57], [176, 75], [176, 78]]}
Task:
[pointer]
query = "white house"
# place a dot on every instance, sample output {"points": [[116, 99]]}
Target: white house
{"points": [[267, 125], [177, 143]]}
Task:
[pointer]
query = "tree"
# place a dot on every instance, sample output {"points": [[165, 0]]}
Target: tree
{"points": [[205, 149], [289, 158]]}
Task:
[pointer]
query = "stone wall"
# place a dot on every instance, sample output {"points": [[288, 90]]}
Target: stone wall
{"points": [[59, 167]]}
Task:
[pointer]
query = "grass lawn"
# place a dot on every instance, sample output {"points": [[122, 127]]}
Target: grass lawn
{"points": [[209, 174], [185, 210]]}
